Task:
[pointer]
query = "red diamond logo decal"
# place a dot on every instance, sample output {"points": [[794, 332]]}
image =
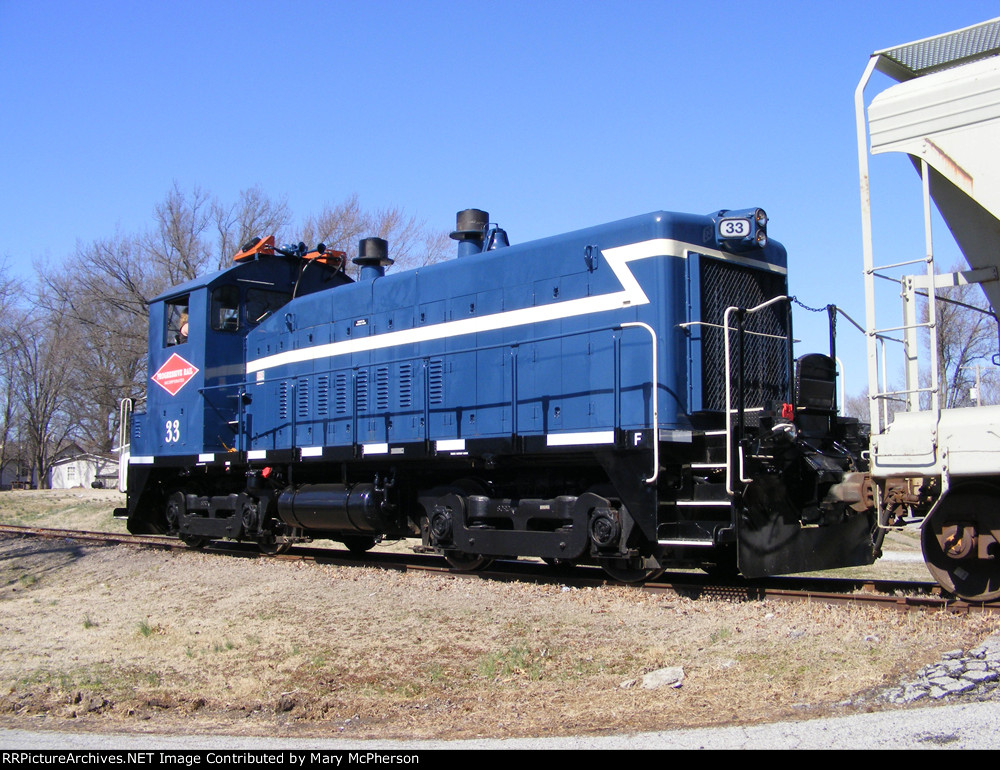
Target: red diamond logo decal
{"points": [[174, 374]]}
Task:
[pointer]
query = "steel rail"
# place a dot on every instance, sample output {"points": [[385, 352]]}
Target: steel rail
{"points": [[903, 596]]}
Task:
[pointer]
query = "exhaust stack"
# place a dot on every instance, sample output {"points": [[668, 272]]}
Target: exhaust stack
{"points": [[373, 257], [470, 231]]}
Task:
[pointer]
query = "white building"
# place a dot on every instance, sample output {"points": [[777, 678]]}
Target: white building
{"points": [[83, 470]]}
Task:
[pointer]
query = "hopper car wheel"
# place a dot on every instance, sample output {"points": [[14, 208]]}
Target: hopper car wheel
{"points": [[620, 570], [961, 542], [358, 544], [194, 541]]}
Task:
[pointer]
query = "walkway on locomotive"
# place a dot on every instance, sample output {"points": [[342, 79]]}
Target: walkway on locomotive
{"points": [[527, 340]]}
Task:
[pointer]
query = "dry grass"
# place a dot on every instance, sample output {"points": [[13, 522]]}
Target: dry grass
{"points": [[84, 509], [118, 637]]}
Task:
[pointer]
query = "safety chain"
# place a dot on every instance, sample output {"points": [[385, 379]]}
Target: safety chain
{"points": [[823, 309]]}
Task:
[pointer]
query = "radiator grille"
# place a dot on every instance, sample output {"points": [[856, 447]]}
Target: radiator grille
{"points": [[765, 375]]}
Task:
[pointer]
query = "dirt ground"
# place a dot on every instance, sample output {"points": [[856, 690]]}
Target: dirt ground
{"points": [[120, 638]]}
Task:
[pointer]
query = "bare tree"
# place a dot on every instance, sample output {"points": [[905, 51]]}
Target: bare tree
{"points": [[101, 306], [177, 244], [108, 278], [856, 406], [438, 247], [42, 382], [102, 373], [966, 340], [411, 242], [11, 447], [339, 226], [254, 214], [106, 295], [10, 413]]}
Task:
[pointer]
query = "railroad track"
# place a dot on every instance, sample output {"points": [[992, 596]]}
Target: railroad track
{"points": [[898, 595]]}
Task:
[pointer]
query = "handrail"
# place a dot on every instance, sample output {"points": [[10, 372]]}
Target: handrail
{"points": [[904, 327], [124, 443], [720, 326], [500, 346], [656, 412], [899, 264], [729, 390]]}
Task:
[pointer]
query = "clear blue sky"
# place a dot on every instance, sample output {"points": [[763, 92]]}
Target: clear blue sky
{"points": [[550, 115]]}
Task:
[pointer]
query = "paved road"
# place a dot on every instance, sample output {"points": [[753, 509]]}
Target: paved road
{"points": [[963, 726]]}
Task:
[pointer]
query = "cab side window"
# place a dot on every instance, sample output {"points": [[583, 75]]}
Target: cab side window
{"points": [[262, 303], [176, 316], [226, 308]]}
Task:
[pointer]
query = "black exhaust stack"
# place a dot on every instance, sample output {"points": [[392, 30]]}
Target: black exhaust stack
{"points": [[373, 257], [470, 231]]}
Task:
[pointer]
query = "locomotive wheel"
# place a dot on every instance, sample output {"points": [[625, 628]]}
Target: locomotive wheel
{"points": [[559, 563], [961, 542], [173, 512], [358, 544], [459, 560], [268, 546], [467, 562], [620, 570]]}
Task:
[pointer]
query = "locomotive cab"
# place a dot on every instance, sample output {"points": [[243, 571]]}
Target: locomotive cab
{"points": [[197, 333], [196, 337], [194, 401]]}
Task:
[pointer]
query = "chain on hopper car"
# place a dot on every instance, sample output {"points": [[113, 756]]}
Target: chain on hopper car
{"points": [[565, 398]]}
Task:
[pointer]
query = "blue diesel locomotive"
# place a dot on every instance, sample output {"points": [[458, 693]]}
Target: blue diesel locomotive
{"points": [[625, 395]]}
